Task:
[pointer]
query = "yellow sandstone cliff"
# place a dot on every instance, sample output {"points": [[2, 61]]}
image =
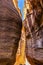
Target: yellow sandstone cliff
{"points": [[20, 57], [16, 5]]}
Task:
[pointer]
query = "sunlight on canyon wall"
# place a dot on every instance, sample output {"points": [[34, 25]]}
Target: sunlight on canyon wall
{"points": [[16, 5]]}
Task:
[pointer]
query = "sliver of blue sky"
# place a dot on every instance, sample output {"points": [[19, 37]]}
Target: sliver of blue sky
{"points": [[20, 5]]}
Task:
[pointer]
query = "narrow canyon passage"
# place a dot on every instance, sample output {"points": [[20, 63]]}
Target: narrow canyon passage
{"points": [[32, 17], [21, 32]]}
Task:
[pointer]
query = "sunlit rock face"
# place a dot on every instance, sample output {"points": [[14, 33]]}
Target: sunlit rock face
{"points": [[28, 6], [34, 31], [10, 31], [16, 5], [20, 57]]}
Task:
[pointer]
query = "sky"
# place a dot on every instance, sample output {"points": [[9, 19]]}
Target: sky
{"points": [[20, 5]]}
